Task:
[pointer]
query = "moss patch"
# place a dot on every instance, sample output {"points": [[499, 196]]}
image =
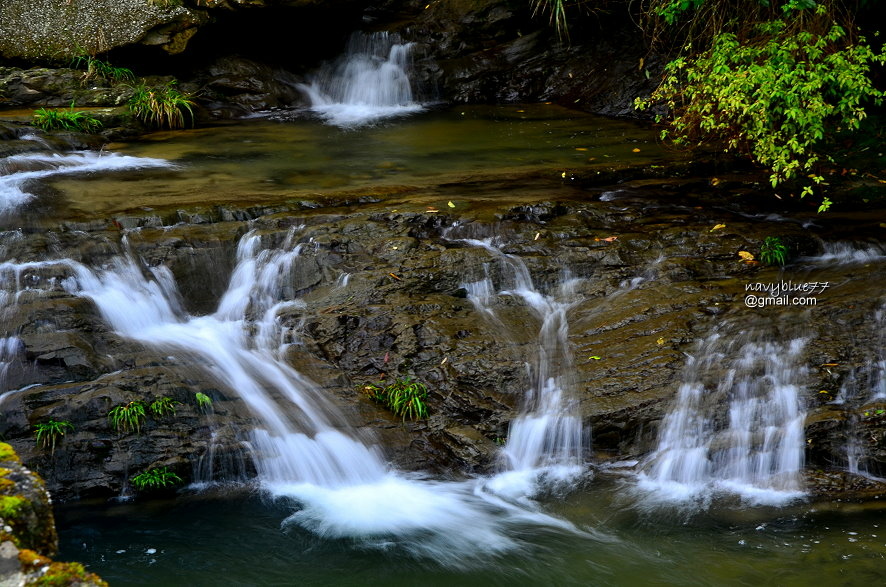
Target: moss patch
{"points": [[10, 506], [52, 574], [7, 453]]}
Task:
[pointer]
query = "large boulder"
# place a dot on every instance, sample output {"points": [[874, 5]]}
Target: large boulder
{"points": [[56, 30]]}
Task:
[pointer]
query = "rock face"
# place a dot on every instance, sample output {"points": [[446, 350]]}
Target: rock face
{"points": [[27, 531]]}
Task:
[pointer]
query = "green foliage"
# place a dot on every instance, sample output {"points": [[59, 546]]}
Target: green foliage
{"points": [[204, 402], [164, 406], [557, 10], [96, 68], [161, 106], [775, 96], [49, 432], [404, 397], [69, 120], [127, 418], [155, 479], [773, 251]]}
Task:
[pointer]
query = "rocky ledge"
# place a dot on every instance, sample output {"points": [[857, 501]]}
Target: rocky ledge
{"points": [[382, 280]]}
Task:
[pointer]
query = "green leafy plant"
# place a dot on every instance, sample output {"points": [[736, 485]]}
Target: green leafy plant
{"points": [[557, 11], [775, 93], [164, 406], [155, 479], [161, 106], [96, 68], [66, 119], [404, 397], [773, 251], [127, 418], [49, 432], [204, 402]]}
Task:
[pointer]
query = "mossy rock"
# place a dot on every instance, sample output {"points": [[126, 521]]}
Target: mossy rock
{"points": [[25, 506]]}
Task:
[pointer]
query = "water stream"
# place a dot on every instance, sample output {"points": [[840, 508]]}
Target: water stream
{"points": [[737, 423], [302, 446], [546, 443]]}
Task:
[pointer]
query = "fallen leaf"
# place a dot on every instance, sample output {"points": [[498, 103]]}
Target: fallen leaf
{"points": [[443, 362], [430, 209], [824, 391], [635, 150], [450, 204], [595, 357], [746, 256], [387, 357], [718, 227], [715, 181], [660, 341], [395, 277], [609, 239], [830, 364], [537, 234], [581, 148]]}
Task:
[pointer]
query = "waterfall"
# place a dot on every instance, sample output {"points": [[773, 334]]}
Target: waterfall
{"points": [[18, 171], [737, 424], [368, 83], [863, 392], [303, 449], [546, 441]]}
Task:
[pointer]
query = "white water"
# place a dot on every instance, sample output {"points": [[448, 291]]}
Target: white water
{"points": [[848, 253], [737, 425], [342, 487], [545, 446], [11, 352], [370, 82], [17, 171]]}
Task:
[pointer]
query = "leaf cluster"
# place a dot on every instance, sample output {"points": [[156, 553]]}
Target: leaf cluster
{"points": [[96, 68], [774, 96], [204, 402], [164, 406], [773, 251], [155, 479], [49, 432], [127, 418], [404, 397], [162, 106], [66, 119]]}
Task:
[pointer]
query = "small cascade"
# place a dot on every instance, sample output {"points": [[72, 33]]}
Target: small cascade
{"points": [[297, 445], [864, 392], [849, 253], [368, 83], [547, 440], [302, 449], [11, 354], [737, 424], [18, 171]]}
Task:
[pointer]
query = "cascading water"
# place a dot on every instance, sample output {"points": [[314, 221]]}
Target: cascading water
{"points": [[342, 487], [16, 171], [369, 82], [546, 442], [737, 425], [864, 391]]}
